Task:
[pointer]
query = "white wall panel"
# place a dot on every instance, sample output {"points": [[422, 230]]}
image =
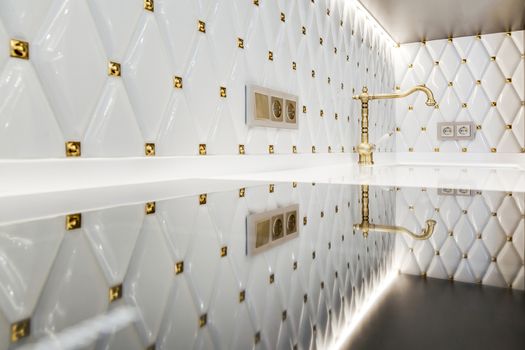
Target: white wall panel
{"points": [[71, 97], [477, 79]]}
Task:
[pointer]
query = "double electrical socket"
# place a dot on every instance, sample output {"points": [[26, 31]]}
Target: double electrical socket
{"points": [[456, 131], [270, 108], [268, 229], [455, 192]]}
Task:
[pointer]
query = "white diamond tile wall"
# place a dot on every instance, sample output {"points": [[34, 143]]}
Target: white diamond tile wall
{"points": [[478, 239], [479, 79], [116, 75], [182, 264]]}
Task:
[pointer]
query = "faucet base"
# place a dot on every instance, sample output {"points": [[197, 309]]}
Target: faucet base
{"points": [[366, 155]]}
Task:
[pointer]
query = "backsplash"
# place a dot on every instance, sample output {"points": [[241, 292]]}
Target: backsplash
{"points": [[181, 264], [127, 78], [479, 79], [479, 238]]}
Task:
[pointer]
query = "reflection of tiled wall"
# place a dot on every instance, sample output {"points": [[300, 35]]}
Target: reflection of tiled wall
{"points": [[63, 92], [478, 239], [59, 278], [479, 79]]}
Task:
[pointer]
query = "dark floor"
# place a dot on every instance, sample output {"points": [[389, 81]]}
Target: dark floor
{"points": [[436, 314]]}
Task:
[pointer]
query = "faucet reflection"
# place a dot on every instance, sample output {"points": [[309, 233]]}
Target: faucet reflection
{"points": [[366, 226], [366, 149]]}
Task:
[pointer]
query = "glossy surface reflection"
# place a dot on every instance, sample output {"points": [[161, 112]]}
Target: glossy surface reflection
{"points": [[183, 268]]}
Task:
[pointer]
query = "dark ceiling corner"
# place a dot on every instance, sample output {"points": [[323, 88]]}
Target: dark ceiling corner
{"points": [[415, 20]]}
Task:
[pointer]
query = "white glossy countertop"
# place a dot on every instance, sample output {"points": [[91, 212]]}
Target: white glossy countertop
{"points": [[39, 188]]}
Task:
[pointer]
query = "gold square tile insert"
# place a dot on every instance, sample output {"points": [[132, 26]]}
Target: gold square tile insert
{"points": [[201, 26], [114, 69], [242, 296], [149, 5], [73, 221], [149, 149], [203, 319], [150, 208], [19, 49], [179, 267], [115, 293], [224, 251], [73, 149], [177, 82], [20, 329]]}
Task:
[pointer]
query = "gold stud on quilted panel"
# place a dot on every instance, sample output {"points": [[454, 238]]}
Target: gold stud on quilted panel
{"points": [[203, 198], [508, 126], [19, 49], [256, 2], [509, 80], [73, 149], [149, 5], [177, 82], [257, 338], [294, 149], [242, 296], [272, 278], [179, 267], [242, 150], [114, 69], [224, 251], [149, 149], [201, 26], [242, 192], [313, 149], [283, 17], [73, 221], [271, 188], [20, 330], [222, 92], [270, 55], [115, 293], [270, 149], [493, 103], [203, 319], [240, 43], [294, 65], [303, 30], [202, 149], [493, 149], [149, 208]]}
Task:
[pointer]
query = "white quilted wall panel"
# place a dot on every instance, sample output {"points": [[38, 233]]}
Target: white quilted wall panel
{"points": [[321, 50], [478, 239], [321, 279], [480, 79]]}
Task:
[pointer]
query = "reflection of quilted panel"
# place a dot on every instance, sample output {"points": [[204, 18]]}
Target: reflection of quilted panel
{"points": [[478, 239], [302, 292], [322, 51], [480, 79]]}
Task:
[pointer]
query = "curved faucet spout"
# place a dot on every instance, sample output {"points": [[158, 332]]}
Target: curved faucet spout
{"points": [[426, 232], [365, 149]]}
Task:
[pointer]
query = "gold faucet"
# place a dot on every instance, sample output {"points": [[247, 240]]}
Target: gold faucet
{"points": [[365, 149], [366, 226]]}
